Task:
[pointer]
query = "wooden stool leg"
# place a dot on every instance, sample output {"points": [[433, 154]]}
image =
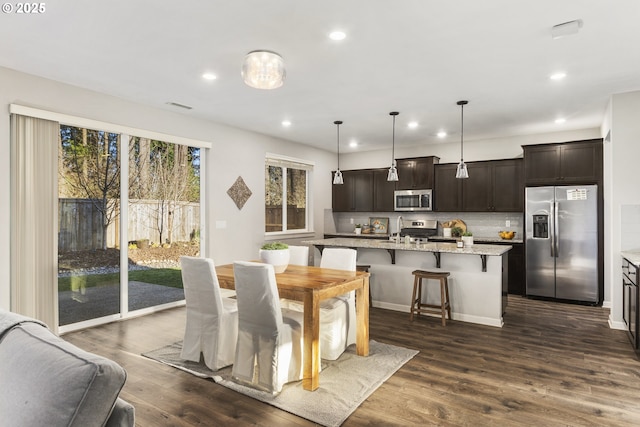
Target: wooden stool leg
{"points": [[413, 298], [443, 302], [446, 289]]}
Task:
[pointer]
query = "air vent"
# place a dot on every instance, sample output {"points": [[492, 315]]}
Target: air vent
{"points": [[176, 104]]}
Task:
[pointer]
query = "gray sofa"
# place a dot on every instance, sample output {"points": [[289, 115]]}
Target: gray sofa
{"points": [[46, 381]]}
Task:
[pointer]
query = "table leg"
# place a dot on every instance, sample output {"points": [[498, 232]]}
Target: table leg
{"points": [[311, 351], [362, 318]]}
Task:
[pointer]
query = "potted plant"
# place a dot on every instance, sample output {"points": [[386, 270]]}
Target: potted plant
{"points": [[467, 238], [358, 228], [456, 232], [276, 254]]}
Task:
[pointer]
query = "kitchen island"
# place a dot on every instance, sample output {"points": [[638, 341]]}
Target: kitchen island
{"points": [[477, 285]]}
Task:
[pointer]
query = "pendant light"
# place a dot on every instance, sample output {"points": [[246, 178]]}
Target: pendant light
{"points": [[337, 178], [393, 172], [462, 171]]}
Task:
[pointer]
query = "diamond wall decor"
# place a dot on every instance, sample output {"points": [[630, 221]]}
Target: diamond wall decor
{"points": [[239, 192]]}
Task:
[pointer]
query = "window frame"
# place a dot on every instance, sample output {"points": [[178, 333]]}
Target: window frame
{"points": [[285, 162]]}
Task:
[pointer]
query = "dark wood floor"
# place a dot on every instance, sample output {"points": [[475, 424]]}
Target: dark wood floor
{"points": [[551, 364]]}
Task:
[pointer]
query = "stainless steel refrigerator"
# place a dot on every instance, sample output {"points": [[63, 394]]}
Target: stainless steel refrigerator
{"points": [[561, 243]]}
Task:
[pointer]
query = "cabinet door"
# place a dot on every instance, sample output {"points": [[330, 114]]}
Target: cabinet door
{"points": [[382, 191], [477, 189], [508, 186], [363, 190], [416, 173], [580, 162], [541, 164], [405, 174], [447, 192], [342, 195]]}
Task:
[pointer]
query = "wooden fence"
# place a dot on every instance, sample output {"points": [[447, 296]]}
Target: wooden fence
{"points": [[80, 223], [296, 218]]}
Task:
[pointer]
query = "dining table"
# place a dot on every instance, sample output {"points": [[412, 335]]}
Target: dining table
{"points": [[311, 285]]}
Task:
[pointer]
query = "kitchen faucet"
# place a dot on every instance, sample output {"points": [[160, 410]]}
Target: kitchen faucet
{"points": [[398, 222]]}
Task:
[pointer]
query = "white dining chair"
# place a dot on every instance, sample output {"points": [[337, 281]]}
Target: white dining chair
{"points": [[338, 314], [298, 255], [212, 321], [270, 339]]}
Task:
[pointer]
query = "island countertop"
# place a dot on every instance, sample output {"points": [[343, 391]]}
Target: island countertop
{"points": [[440, 247]]}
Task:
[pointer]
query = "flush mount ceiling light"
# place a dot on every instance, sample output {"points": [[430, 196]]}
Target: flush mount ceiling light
{"points": [[393, 171], [337, 35], [566, 29], [462, 171], [558, 76], [337, 178], [263, 69], [209, 76]]}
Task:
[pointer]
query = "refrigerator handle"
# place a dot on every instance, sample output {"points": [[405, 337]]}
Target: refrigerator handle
{"points": [[555, 228], [552, 230]]}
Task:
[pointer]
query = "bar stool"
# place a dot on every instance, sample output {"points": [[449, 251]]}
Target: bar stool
{"points": [[418, 307]]}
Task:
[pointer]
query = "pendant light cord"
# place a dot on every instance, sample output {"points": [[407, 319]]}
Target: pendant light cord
{"points": [[338, 123], [462, 132]]}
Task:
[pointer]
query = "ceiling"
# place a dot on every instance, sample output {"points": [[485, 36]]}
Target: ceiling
{"points": [[418, 57]]}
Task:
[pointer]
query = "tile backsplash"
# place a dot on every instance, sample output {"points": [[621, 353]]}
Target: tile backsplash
{"points": [[481, 224]]}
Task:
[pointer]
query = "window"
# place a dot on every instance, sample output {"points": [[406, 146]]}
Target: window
{"points": [[287, 189]]}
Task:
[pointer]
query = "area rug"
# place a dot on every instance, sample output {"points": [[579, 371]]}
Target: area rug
{"points": [[344, 383]]}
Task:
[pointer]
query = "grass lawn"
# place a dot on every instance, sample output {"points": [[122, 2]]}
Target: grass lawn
{"points": [[171, 277]]}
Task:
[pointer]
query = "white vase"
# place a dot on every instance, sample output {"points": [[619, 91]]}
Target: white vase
{"points": [[279, 258], [358, 230], [468, 240], [446, 232]]}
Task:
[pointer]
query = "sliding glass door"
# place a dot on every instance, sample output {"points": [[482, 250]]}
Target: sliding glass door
{"points": [[129, 207], [88, 207]]}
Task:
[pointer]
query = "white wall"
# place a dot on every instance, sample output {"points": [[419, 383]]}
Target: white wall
{"points": [[449, 152], [235, 153], [623, 197]]}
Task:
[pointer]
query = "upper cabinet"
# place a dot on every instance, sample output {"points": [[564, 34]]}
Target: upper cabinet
{"points": [[365, 190], [492, 186], [416, 173], [356, 194], [447, 191], [577, 162]]}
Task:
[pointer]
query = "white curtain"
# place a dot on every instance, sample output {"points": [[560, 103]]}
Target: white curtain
{"points": [[34, 218]]}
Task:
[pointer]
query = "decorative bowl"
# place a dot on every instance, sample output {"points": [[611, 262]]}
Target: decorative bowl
{"points": [[507, 235]]}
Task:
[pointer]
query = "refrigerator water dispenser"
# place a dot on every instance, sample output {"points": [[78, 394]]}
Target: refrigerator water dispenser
{"points": [[541, 226]]}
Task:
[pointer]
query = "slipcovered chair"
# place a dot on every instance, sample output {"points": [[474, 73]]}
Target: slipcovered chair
{"points": [[270, 341], [299, 255], [212, 321], [338, 314]]}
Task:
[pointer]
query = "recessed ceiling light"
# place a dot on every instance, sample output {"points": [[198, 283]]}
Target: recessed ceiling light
{"points": [[353, 143], [560, 120], [558, 76], [209, 76], [337, 35], [412, 125], [441, 134], [286, 123]]}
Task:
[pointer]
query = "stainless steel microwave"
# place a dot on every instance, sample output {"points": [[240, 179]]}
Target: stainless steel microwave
{"points": [[412, 200]]}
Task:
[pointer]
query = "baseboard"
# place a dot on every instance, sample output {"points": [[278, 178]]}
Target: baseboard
{"points": [[456, 316]]}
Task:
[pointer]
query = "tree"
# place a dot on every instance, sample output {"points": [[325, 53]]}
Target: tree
{"points": [[91, 170]]}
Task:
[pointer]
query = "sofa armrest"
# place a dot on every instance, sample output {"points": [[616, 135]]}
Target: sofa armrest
{"points": [[123, 415]]}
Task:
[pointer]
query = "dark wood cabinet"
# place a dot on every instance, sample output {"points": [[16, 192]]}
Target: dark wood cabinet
{"points": [[382, 191], [576, 162], [517, 274], [447, 190], [492, 186], [416, 173], [365, 190], [630, 301]]}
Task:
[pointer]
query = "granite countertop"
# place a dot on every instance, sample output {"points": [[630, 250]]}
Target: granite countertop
{"points": [[481, 239], [442, 247], [633, 256], [360, 236]]}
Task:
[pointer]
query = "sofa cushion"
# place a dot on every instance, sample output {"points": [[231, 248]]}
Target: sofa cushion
{"points": [[48, 381]]}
